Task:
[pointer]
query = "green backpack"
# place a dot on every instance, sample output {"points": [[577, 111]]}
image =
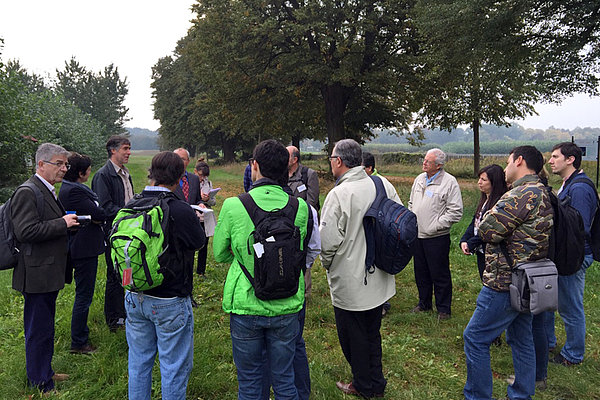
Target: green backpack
{"points": [[139, 241]]}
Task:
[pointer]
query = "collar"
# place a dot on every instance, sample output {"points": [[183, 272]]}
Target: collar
{"points": [[264, 182], [47, 184], [429, 181], [156, 189], [353, 174], [118, 169]]}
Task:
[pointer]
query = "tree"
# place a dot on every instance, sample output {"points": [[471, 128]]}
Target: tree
{"points": [[300, 65], [100, 95], [479, 68]]}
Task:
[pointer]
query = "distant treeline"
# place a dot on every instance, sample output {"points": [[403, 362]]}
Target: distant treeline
{"points": [[143, 139]]}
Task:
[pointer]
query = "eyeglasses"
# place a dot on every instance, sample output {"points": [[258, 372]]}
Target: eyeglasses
{"points": [[59, 164], [332, 157]]}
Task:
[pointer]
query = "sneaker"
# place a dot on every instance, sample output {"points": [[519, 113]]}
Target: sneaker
{"points": [[560, 360]]}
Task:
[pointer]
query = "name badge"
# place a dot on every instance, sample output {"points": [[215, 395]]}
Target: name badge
{"points": [[301, 188], [429, 193]]}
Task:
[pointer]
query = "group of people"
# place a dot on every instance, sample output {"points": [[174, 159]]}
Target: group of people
{"points": [[267, 334]]}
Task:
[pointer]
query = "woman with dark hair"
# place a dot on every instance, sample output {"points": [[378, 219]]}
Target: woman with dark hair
{"points": [[492, 185], [85, 244], [202, 170]]}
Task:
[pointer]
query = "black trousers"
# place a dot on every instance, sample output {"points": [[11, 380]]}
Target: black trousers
{"points": [[360, 339], [432, 272], [114, 295], [38, 321], [202, 253]]}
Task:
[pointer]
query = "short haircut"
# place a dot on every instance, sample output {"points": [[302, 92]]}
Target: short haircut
{"points": [[440, 156], [166, 168], [202, 166], [115, 142], [182, 149], [46, 151], [272, 158], [296, 153], [368, 159], [349, 152], [532, 156], [569, 149], [78, 164]]}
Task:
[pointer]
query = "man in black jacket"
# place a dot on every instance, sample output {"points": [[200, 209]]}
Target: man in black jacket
{"points": [[112, 183], [42, 235]]}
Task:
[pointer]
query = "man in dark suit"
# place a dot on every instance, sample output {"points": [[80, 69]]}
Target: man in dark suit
{"points": [[42, 265], [188, 189], [114, 187]]}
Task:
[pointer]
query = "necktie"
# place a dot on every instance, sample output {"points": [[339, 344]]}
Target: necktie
{"points": [[185, 187]]}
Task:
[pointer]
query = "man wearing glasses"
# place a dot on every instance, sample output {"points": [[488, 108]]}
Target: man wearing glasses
{"points": [[112, 183], [436, 200], [40, 227]]}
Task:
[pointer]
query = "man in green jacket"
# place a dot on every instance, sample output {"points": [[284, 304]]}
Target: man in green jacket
{"points": [[259, 326]]}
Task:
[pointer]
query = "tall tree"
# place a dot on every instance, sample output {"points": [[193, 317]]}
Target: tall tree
{"points": [[271, 63], [101, 95]]}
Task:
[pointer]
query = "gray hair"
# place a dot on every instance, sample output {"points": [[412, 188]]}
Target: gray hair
{"points": [[440, 156], [182, 149], [349, 151], [46, 151]]}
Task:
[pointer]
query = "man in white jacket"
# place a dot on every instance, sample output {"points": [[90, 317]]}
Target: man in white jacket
{"points": [[436, 200], [357, 298]]}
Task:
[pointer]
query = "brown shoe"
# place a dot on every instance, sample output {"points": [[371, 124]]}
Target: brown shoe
{"points": [[348, 388], [85, 349], [443, 316], [60, 377], [418, 309]]}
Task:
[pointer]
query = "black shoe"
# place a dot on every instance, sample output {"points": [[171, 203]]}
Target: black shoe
{"points": [[442, 316], [419, 309], [560, 360], [117, 325], [85, 349]]}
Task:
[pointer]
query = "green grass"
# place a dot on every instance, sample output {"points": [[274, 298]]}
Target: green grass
{"points": [[422, 358]]}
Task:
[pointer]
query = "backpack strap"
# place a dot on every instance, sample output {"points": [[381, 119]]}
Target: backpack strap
{"points": [[369, 225], [39, 197], [504, 249], [304, 175]]}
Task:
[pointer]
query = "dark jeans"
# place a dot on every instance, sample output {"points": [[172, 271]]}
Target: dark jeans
{"points": [[85, 281], [38, 321], [360, 339], [114, 295], [540, 342], [301, 371], [432, 272]]}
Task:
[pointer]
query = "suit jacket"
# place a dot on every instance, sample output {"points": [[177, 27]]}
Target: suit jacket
{"points": [[194, 195], [89, 240], [43, 257], [111, 193]]}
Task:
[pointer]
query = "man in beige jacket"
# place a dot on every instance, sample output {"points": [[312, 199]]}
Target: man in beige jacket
{"points": [[436, 200], [357, 297]]}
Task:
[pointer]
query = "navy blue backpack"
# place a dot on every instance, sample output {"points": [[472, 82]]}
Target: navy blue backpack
{"points": [[390, 229]]}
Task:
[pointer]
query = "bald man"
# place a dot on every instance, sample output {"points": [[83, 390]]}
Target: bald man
{"points": [[302, 180]]}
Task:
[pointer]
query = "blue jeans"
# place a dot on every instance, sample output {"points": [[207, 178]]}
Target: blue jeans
{"points": [[85, 281], [540, 342], [301, 371], [570, 308], [251, 336], [493, 315], [159, 325]]}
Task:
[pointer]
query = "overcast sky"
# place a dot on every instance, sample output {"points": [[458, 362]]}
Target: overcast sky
{"points": [[134, 34]]}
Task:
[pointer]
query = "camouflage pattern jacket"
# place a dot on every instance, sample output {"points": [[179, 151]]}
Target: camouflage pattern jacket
{"points": [[522, 217]]}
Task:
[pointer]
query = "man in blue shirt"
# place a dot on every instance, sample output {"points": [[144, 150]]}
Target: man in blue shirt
{"points": [[566, 162]]}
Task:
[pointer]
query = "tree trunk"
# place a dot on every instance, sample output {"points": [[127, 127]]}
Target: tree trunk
{"points": [[476, 152], [296, 141], [336, 99], [228, 149]]}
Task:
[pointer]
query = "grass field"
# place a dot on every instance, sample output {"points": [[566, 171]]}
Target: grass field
{"points": [[422, 358]]}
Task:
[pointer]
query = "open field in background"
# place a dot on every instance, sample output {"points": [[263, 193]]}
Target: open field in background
{"points": [[422, 358]]}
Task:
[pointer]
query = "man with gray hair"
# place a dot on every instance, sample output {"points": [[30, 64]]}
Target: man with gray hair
{"points": [[40, 226], [357, 296], [436, 200]]}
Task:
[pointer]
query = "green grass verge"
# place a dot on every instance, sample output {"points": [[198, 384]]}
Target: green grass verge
{"points": [[422, 358]]}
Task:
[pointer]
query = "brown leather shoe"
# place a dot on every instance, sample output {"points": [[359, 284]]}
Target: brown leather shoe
{"points": [[348, 388], [443, 316], [418, 309], [60, 377], [85, 349]]}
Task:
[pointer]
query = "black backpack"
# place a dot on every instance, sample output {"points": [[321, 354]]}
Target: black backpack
{"points": [[304, 179], [594, 237], [567, 240], [9, 247], [390, 229], [277, 269]]}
